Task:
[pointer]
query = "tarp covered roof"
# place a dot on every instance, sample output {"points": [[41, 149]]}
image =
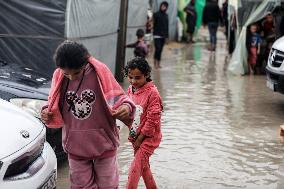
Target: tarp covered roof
{"points": [[31, 30]]}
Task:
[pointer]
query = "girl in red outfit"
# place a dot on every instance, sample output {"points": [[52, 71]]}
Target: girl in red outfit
{"points": [[145, 132]]}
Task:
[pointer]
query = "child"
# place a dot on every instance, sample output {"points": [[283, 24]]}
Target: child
{"points": [[145, 132], [85, 100], [254, 42], [140, 47]]}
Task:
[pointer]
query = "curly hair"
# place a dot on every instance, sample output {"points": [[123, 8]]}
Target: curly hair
{"points": [[141, 64], [71, 54]]}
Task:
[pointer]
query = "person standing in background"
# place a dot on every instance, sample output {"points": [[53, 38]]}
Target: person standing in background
{"points": [[254, 42], [191, 17], [225, 17], [160, 32], [211, 17]]}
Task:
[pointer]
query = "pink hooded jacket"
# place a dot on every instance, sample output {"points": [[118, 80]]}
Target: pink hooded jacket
{"points": [[112, 91], [148, 115]]}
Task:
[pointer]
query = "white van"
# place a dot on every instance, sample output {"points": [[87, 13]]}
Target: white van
{"points": [[275, 67]]}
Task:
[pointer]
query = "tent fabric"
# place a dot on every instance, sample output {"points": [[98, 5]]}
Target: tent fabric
{"points": [[199, 6], [94, 23], [30, 31], [248, 13]]}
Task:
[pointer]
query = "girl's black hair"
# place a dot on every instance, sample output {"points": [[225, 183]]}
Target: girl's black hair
{"points": [[141, 64], [71, 55]]}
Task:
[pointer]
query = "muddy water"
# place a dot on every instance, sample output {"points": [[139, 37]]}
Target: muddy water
{"points": [[219, 131]]}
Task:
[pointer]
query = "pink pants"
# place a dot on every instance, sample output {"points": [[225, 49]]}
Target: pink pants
{"points": [[94, 174], [140, 166]]}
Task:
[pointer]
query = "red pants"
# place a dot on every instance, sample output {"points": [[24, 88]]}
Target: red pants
{"points": [[140, 167], [252, 56]]}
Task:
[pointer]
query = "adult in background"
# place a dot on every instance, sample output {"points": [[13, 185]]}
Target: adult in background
{"points": [[191, 17], [224, 13], [160, 32], [211, 17]]}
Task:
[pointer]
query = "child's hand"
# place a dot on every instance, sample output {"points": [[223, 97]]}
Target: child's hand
{"points": [[45, 115], [122, 112], [138, 141]]}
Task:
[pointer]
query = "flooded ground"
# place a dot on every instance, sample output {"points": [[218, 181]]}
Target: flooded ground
{"points": [[219, 131]]}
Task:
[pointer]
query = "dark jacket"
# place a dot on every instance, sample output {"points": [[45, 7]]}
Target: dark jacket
{"points": [[191, 17], [211, 13], [161, 24]]}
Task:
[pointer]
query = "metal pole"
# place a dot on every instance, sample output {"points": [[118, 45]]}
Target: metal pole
{"points": [[121, 40]]}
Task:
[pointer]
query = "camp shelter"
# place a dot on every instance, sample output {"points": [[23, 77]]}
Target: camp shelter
{"points": [[30, 30], [246, 12]]}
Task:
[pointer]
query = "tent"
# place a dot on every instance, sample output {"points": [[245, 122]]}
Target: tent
{"points": [[30, 30], [247, 12]]}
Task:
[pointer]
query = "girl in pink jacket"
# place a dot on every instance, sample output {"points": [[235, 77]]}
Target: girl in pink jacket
{"points": [[85, 100], [145, 132]]}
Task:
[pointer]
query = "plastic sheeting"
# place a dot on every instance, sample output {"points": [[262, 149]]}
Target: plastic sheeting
{"points": [[248, 13], [199, 5], [30, 31], [94, 23]]}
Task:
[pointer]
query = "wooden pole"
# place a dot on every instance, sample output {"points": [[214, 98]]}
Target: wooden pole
{"points": [[121, 40]]}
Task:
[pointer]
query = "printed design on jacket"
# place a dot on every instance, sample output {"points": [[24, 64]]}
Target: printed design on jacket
{"points": [[136, 121], [81, 106]]}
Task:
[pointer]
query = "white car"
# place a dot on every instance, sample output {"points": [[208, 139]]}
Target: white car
{"points": [[26, 159], [275, 67]]}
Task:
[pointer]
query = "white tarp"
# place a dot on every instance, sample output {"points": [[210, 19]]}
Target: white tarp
{"points": [[238, 63], [95, 24]]}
